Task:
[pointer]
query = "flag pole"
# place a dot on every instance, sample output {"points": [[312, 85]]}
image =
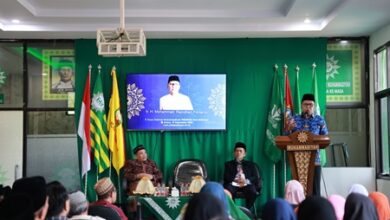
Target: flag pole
{"points": [[274, 169], [86, 174]]}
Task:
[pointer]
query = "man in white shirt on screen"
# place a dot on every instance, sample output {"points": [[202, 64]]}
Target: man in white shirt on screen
{"points": [[175, 100]]}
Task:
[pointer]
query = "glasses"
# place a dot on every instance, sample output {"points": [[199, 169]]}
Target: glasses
{"points": [[308, 104], [173, 84]]}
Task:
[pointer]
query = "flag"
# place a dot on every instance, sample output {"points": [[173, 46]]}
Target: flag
{"points": [[115, 129], [99, 139], [288, 104], [83, 128], [297, 95], [317, 109], [274, 120]]}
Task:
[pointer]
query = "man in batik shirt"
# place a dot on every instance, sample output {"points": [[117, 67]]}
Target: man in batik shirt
{"points": [[308, 121], [141, 167]]}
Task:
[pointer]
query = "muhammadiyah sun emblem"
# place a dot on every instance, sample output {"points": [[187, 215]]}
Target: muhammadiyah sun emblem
{"points": [[302, 137]]}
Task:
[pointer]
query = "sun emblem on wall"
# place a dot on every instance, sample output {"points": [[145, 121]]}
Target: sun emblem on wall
{"points": [[331, 67], [135, 101], [217, 102]]}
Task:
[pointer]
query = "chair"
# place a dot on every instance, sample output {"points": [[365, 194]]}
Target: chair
{"points": [[104, 212], [185, 169], [247, 212], [345, 154], [258, 186]]}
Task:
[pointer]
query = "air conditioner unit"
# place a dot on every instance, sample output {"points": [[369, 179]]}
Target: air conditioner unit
{"points": [[118, 43]]}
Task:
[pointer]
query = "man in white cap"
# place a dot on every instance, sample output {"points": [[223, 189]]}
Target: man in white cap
{"points": [[175, 100], [106, 193]]}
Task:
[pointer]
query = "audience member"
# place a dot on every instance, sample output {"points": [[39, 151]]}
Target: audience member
{"points": [[17, 207], [278, 209], [35, 188], [79, 207], [216, 190], [4, 191], [58, 201], [382, 205], [359, 207], [316, 207], [294, 193], [310, 121], [204, 206], [358, 188], [338, 203], [135, 170], [106, 193], [241, 175]]}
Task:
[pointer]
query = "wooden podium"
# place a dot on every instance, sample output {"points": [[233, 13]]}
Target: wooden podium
{"points": [[301, 147]]}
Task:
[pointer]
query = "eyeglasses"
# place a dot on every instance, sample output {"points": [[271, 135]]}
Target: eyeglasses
{"points": [[308, 104], [173, 84]]}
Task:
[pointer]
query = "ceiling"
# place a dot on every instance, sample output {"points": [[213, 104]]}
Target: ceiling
{"points": [[64, 19]]}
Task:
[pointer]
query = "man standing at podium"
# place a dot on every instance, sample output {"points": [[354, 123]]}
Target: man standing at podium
{"points": [[308, 121]]}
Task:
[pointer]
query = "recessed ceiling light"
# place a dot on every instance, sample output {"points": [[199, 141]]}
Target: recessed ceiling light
{"points": [[307, 21], [15, 21]]}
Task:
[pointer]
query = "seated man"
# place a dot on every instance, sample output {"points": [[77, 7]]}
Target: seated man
{"points": [[141, 167], [241, 175], [106, 193]]}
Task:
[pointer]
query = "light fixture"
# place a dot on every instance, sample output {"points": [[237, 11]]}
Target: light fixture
{"points": [[121, 42], [15, 21], [307, 20]]}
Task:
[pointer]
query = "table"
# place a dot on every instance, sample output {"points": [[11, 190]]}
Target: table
{"points": [[163, 208], [168, 208]]}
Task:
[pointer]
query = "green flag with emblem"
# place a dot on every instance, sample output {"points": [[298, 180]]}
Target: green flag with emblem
{"points": [[274, 121], [99, 139]]}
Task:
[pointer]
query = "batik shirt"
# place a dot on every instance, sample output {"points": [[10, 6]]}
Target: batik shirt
{"points": [[314, 124], [134, 167]]}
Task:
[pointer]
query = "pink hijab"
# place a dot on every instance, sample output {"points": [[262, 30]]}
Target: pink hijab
{"points": [[338, 203], [293, 192], [382, 205]]}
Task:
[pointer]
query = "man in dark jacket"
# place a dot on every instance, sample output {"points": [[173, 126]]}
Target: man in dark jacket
{"points": [[241, 175]]}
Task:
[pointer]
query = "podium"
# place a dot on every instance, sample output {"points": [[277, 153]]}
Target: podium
{"points": [[301, 147]]}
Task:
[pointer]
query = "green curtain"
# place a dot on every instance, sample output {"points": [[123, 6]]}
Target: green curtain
{"points": [[248, 64]]}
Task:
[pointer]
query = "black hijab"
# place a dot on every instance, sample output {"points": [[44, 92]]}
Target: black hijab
{"points": [[205, 206], [316, 207], [359, 207]]}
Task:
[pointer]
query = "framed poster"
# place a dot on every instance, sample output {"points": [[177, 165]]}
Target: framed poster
{"points": [[344, 74], [58, 74]]}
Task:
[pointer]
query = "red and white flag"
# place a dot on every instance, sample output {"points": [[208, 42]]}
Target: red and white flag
{"points": [[84, 128]]}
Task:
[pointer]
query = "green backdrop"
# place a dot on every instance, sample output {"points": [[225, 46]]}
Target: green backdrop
{"points": [[248, 64]]}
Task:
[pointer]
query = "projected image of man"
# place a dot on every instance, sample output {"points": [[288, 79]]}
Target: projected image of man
{"points": [[175, 100]]}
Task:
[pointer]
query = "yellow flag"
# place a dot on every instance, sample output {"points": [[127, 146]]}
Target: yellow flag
{"points": [[115, 129]]}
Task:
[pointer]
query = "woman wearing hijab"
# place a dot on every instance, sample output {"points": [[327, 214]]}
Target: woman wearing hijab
{"points": [[230, 208], [358, 188], [359, 207], [294, 193], [338, 203], [316, 207], [205, 206], [278, 209], [382, 205]]}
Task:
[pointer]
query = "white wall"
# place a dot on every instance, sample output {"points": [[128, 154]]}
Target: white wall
{"points": [[11, 146], [377, 39], [338, 180]]}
